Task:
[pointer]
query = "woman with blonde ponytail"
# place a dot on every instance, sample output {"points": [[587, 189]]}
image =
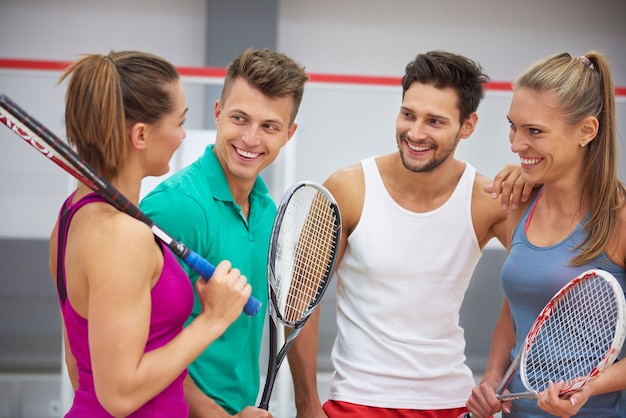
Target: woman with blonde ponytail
{"points": [[563, 127]]}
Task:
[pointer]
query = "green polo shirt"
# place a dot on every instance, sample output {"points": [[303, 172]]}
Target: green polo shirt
{"points": [[196, 207]]}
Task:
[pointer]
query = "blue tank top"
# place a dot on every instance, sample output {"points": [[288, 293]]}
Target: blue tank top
{"points": [[531, 275]]}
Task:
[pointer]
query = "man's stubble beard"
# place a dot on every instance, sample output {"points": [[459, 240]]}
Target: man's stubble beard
{"points": [[432, 164]]}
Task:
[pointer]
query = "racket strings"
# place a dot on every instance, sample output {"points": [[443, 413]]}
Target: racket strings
{"points": [[306, 243], [574, 337]]}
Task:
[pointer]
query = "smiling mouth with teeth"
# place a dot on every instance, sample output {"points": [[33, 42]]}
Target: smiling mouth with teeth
{"points": [[418, 148], [247, 154], [530, 161]]}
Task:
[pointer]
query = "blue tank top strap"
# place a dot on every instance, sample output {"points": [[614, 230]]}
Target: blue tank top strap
{"points": [[65, 217]]}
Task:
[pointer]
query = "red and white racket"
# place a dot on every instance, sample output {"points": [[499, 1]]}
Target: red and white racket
{"points": [[577, 335]]}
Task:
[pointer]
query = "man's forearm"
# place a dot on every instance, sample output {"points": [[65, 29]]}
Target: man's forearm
{"points": [[200, 405]]}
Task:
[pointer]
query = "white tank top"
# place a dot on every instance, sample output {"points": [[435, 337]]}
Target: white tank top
{"points": [[400, 286]]}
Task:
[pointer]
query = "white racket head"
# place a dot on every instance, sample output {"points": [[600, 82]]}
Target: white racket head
{"points": [[577, 335], [302, 251]]}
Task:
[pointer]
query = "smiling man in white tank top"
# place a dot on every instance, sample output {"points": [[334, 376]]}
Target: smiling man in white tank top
{"points": [[415, 222]]}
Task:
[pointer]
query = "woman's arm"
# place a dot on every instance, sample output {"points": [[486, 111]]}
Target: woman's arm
{"points": [[483, 401], [121, 267]]}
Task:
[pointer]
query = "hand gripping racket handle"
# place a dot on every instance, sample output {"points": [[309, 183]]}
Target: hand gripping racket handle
{"points": [[206, 269]]}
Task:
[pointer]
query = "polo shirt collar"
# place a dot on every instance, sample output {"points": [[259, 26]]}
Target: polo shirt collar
{"points": [[217, 179]]}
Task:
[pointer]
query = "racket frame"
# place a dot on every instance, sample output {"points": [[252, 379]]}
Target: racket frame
{"points": [[576, 385], [55, 149], [275, 359], [610, 356]]}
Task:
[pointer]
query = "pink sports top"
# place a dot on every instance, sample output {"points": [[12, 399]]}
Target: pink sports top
{"points": [[172, 301]]}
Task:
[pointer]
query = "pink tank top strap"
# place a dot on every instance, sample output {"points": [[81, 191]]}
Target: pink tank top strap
{"points": [[65, 217], [532, 210]]}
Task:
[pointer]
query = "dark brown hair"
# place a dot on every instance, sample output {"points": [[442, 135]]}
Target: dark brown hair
{"points": [[442, 70]]}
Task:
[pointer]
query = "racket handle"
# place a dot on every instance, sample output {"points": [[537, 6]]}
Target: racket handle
{"points": [[206, 269], [515, 396]]}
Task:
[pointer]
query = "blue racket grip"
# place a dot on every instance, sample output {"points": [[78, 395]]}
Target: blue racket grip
{"points": [[206, 269]]}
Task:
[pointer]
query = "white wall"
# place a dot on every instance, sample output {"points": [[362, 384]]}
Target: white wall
{"points": [[379, 37], [32, 188], [63, 29], [372, 37], [339, 125]]}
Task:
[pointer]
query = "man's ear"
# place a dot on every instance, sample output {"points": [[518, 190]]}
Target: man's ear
{"points": [[468, 126], [291, 131], [138, 133], [217, 110], [588, 130]]}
